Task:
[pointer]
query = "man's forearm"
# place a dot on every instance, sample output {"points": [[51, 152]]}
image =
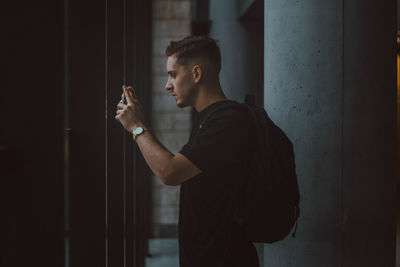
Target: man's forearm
{"points": [[156, 155]]}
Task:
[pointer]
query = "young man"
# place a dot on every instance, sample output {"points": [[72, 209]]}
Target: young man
{"points": [[211, 167]]}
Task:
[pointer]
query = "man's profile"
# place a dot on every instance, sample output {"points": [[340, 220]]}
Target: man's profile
{"points": [[210, 167]]}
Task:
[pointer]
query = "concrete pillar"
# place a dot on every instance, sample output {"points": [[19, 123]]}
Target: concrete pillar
{"points": [[330, 84]]}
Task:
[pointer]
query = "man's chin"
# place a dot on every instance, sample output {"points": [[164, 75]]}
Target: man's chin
{"points": [[181, 104]]}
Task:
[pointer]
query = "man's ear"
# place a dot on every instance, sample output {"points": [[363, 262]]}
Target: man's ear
{"points": [[197, 73]]}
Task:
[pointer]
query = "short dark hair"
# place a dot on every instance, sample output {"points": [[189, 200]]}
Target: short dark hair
{"points": [[192, 47]]}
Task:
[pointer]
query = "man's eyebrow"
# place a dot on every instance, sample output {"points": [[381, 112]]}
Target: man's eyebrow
{"points": [[171, 72]]}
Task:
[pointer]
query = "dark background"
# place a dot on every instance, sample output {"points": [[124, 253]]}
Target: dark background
{"points": [[62, 70]]}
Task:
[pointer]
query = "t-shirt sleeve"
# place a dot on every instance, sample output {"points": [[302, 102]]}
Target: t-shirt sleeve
{"points": [[220, 143]]}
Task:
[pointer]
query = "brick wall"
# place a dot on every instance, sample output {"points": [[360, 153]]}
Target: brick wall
{"points": [[171, 125]]}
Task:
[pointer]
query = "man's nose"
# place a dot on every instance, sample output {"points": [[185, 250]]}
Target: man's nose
{"points": [[168, 86]]}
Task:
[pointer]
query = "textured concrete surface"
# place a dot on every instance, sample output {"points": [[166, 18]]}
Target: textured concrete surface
{"points": [[329, 83], [303, 95]]}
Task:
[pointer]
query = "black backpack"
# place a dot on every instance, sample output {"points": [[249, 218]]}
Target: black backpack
{"points": [[269, 206]]}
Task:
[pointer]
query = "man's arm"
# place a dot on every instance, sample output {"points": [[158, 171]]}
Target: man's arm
{"points": [[171, 169]]}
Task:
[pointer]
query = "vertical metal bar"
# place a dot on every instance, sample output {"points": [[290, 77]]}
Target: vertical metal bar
{"points": [[136, 39], [116, 140], [134, 191], [66, 141], [130, 146], [124, 82], [136, 177], [106, 139]]}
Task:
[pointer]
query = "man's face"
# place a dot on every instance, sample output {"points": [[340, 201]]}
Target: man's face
{"points": [[180, 83]]}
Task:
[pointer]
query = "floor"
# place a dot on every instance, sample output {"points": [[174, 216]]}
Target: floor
{"points": [[164, 253]]}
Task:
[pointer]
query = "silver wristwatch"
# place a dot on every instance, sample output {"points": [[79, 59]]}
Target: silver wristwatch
{"points": [[137, 131]]}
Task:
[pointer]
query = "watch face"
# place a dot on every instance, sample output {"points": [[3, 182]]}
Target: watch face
{"points": [[138, 130]]}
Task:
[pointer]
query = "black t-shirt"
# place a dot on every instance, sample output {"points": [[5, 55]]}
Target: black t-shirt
{"points": [[219, 148]]}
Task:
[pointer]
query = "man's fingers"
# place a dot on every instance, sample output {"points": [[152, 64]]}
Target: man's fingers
{"points": [[123, 99], [131, 90], [128, 97], [118, 115], [120, 106]]}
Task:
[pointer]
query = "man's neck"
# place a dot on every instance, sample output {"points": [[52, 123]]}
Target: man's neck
{"points": [[207, 97]]}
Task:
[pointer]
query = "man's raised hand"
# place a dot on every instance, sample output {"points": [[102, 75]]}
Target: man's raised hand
{"points": [[131, 114]]}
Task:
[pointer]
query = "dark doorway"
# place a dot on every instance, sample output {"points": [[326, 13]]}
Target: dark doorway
{"points": [[109, 185], [74, 189]]}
